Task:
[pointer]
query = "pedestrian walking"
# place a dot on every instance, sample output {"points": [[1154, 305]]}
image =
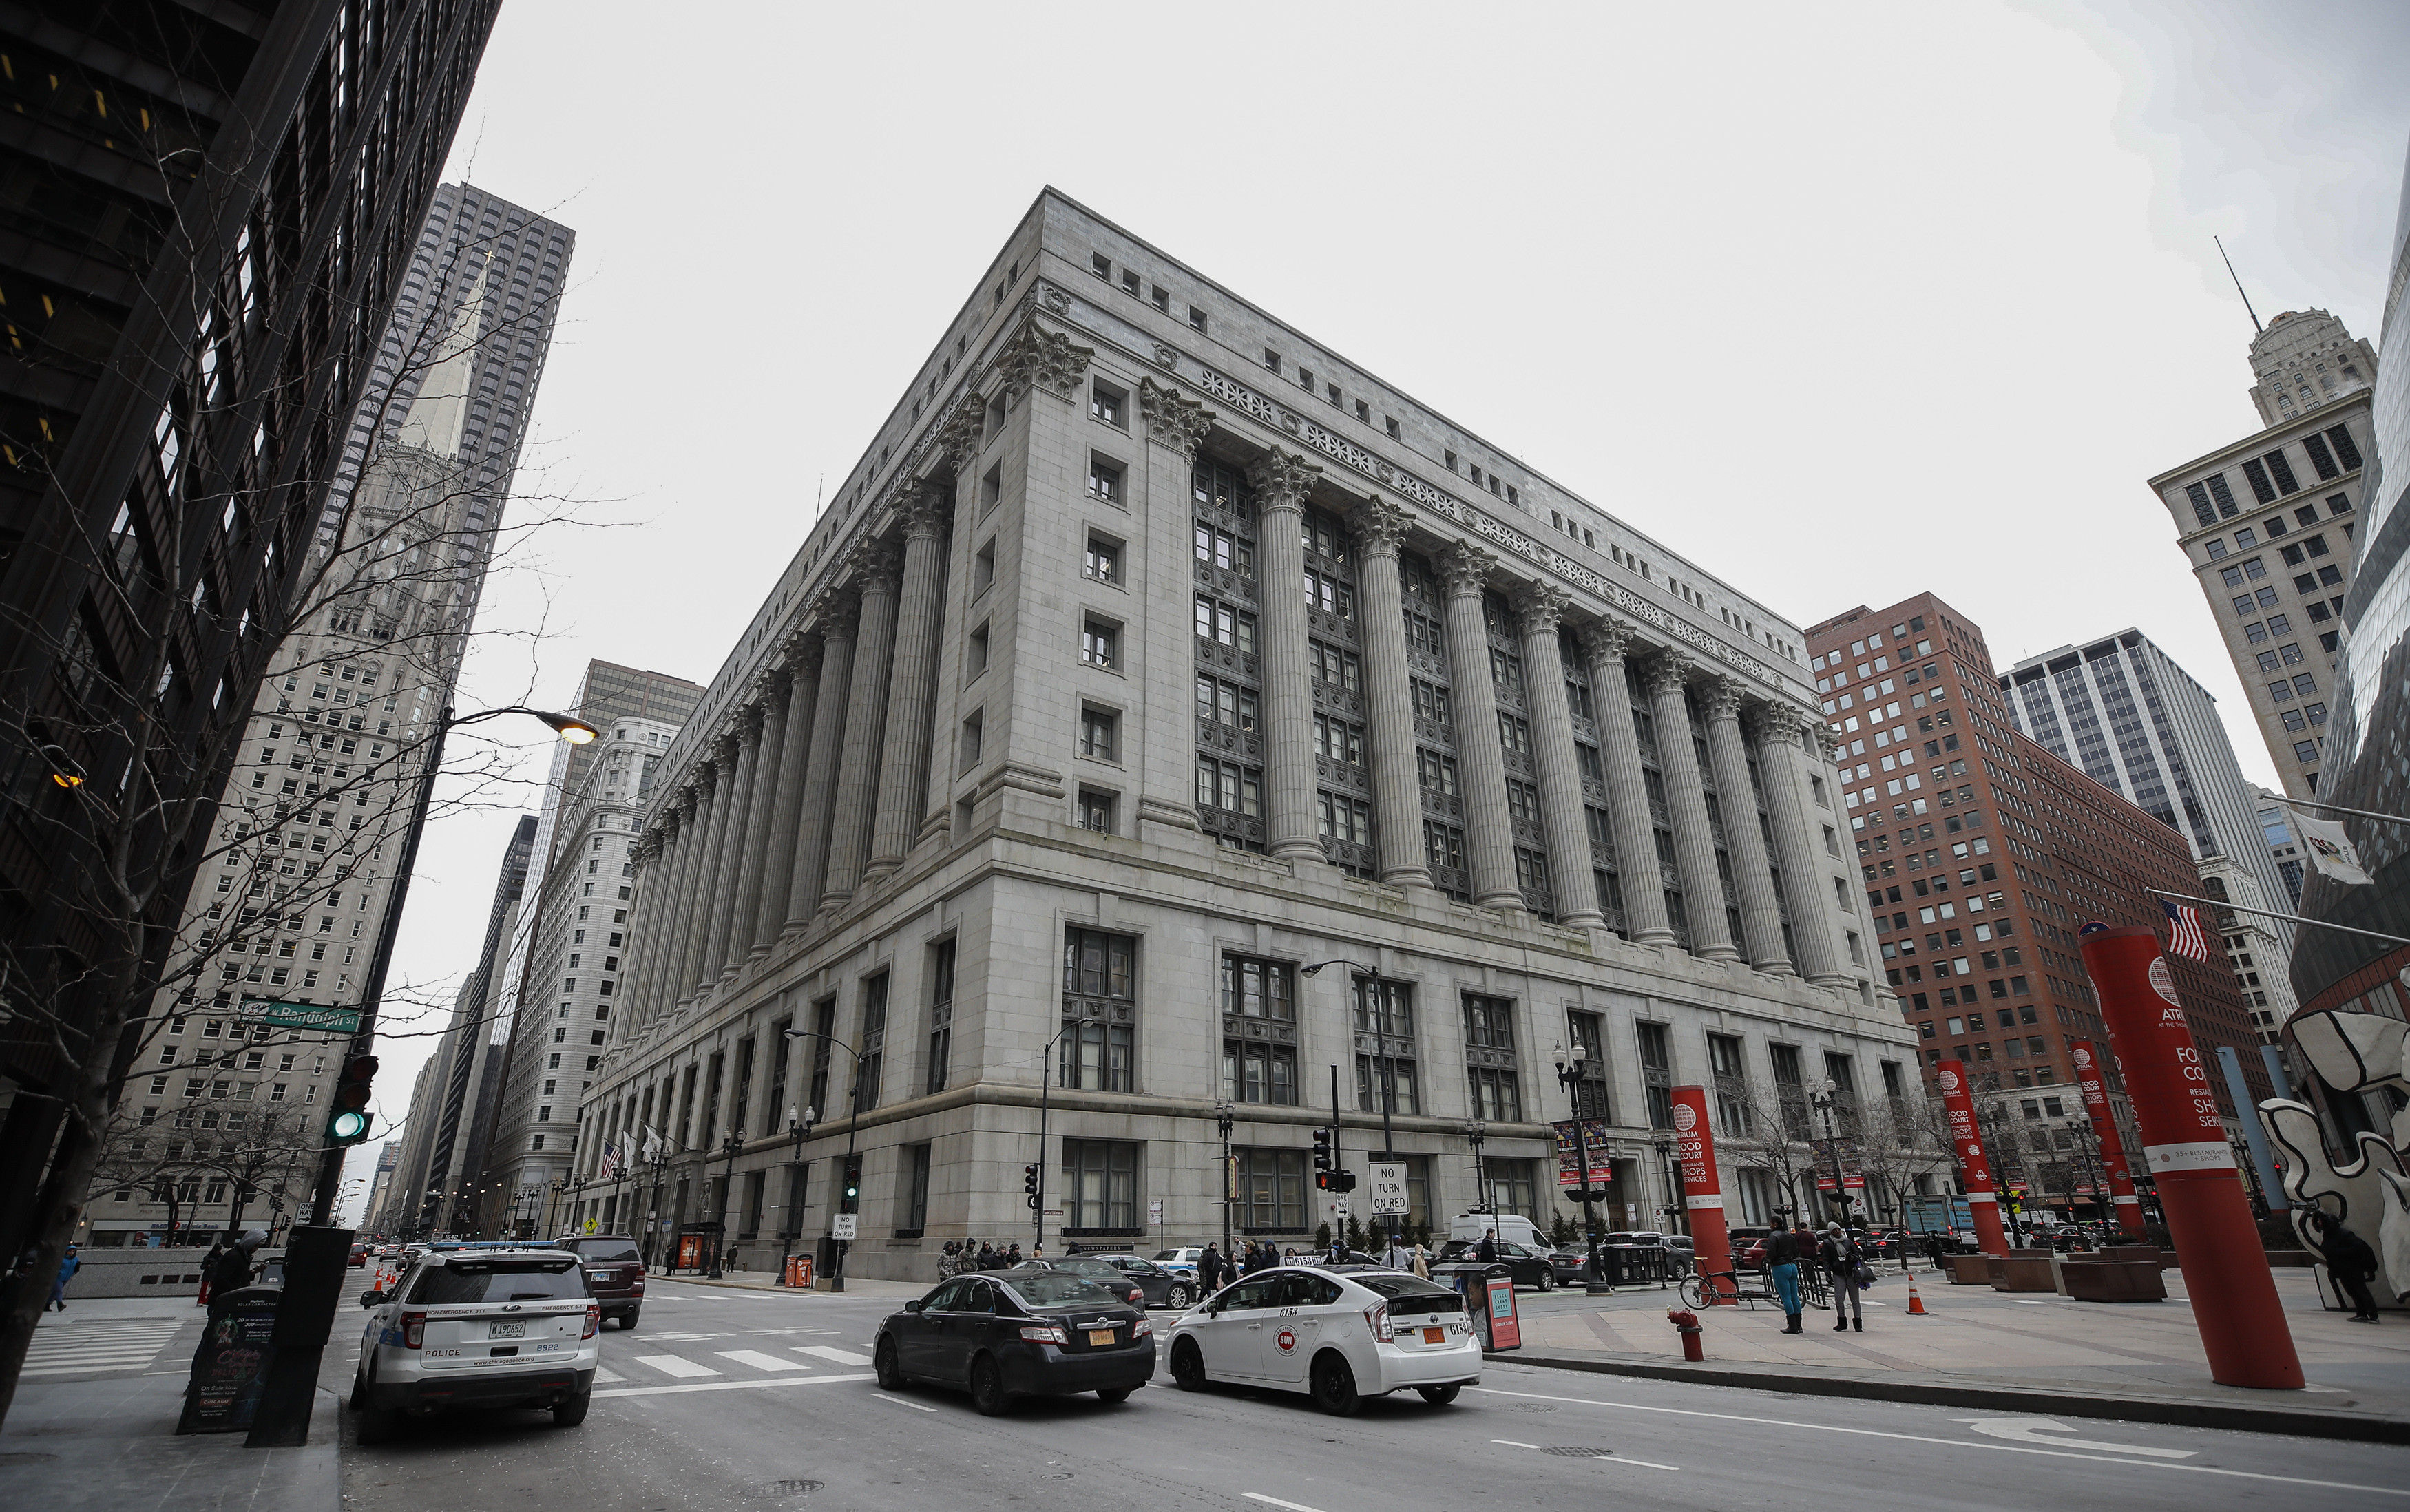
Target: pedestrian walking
{"points": [[1487, 1251], [1843, 1261], [1399, 1257], [1209, 1269], [68, 1265], [1783, 1269], [1337, 1254], [1422, 1260], [986, 1255], [2349, 1261]]}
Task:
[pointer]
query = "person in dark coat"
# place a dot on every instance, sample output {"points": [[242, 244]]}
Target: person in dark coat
{"points": [[1210, 1267], [1842, 1257], [1487, 1251], [2350, 1261]]}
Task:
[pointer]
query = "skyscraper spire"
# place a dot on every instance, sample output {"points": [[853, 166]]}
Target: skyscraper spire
{"points": [[2238, 287]]}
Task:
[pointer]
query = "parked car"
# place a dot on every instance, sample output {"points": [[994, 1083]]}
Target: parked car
{"points": [[1748, 1245], [1090, 1269], [1182, 1260], [1527, 1265], [1571, 1264], [1025, 1331], [487, 1328], [1338, 1336], [359, 1256], [1162, 1286], [615, 1272]]}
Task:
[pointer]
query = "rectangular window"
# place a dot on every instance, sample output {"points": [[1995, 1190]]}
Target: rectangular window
{"points": [[912, 1202], [1104, 562], [1268, 1191], [1095, 811], [1229, 787], [1100, 644], [2346, 451], [1253, 1071], [1258, 989], [1099, 1011], [1099, 734], [1104, 480], [941, 1015], [872, 1043], [1099, 1187], [1657, 1072], [1108, 403]]}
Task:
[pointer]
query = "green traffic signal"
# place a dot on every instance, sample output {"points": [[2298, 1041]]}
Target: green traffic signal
{"points": [[348, 1126]]}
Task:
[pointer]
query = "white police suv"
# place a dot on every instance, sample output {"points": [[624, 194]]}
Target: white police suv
{"points": [[479, 1328], [1338, 1335]]}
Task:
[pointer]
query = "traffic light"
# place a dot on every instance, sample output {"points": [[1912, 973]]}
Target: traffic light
{"points": [[850, 1201], [1029, 1183], [1321, 1150], [348, 1121], [1342, 1180]]}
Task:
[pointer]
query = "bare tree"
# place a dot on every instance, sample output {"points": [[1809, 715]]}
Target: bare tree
{"points": [[1776, 1141]]}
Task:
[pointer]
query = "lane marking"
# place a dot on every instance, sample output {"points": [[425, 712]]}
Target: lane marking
{"points": [[606, 1374], [1617, 1459], [759, 1360], [916, 1406], [2028, 1301], [674, 1365], [731, 1385], [1275, 1500], [842, 1356], [1511, 1445], [1950, 1443], [2029, 1430]]}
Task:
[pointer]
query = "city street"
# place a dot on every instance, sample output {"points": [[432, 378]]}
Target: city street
{"points": [[729, 1396]]}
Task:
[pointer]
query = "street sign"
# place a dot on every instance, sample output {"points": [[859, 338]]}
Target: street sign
{"points": [[1154, 1211], [1388, 1188], [1338, 1206], [844, 1225], [282, 1016]]}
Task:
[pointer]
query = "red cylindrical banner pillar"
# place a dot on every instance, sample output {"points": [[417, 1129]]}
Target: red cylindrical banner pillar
{"points": [[2234, 1302], [1974, 1171], [2093, 1078], [1694, 1145]]}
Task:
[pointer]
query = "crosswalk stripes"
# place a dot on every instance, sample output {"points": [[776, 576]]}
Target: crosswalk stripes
{"points": [[675, 1365], [762, 1361], [842, 1356], [103, 1345]]}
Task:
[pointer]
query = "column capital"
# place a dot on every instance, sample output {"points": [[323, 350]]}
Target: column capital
{"points": [[1467, 568], [1607, 640], [1380, 527], [924, 515], [729, 743], [1541, 607], [1828, 742], [837, 610], [958, 438], [1769, 722], [1667, 672], [1282, 480], [770, 689], [1172, 418], [875, 568], [1719, 698], [689, 799], [1035, 357], [748, 720]]}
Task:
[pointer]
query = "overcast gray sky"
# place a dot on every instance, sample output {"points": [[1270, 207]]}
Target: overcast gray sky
{"points": [[1843, 302]]}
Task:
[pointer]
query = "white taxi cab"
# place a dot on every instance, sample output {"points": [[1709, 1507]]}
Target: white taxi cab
{"points": [[479, 1328], [1338, 1336]]}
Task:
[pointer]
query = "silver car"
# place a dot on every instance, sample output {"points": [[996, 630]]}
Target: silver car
{"points": [[482, 1328]]}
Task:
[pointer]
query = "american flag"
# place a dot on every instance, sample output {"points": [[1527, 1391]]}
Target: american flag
{"points": [[2184, 937]]}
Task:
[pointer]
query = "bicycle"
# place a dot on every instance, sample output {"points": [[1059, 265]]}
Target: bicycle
{"points": [[1700, 1290]]}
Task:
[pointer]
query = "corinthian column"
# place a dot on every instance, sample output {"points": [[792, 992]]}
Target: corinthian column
{"points": [[903, 763], [1781, 756], [1603, 643], [1397, 787], [787, 808], [669, 938], [1686, 802], [857, 777], [722, 953], [1540, 608], [1281, 482], [702, 968], [1490, 846], [812, 826], [1761, 906], [644, 911], [694, 904]]}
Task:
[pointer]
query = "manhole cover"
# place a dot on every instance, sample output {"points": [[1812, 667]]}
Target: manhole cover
{"points": [[1577, 1452], [774, 1490]]}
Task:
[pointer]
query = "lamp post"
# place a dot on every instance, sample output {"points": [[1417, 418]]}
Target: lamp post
{"points": [[852, 1129], [1476, 1133], [1388, 1072], [1663, 1142], [1569, 1076], [799, 1128], [658, 1157], [730, 1147], [1225, 1114], [2085, 1140], [1823, 1095]]}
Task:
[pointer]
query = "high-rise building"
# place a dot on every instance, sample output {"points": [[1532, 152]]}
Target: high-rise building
{"points": [[2137, 724], [2369, 751], [562, 984], [389, 1156], [2268, 524], [193, 296], [1981, 855], [1168, 712]]}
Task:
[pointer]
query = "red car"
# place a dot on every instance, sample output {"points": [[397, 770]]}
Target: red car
{"points": [[360, 1254]]}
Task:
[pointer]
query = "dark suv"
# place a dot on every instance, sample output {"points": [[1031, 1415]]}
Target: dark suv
{"points": [[615, 1272]]}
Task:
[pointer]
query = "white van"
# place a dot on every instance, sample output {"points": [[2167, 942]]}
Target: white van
{"points": [[1511, 1227]]}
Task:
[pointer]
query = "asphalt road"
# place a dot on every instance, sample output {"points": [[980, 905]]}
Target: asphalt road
{"points": [[710, 1410]]}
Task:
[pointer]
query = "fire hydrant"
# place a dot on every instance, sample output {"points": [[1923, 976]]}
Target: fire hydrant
{"points": [[1685, 1323]]}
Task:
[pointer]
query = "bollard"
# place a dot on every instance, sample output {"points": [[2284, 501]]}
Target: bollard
{"points": [[1687, 1325]]}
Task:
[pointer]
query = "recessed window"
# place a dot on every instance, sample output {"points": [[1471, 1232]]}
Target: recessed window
{"points": [[969, 745], [1100, 265], [1096, 810], [990, 488], [1391, 423], [1197, 318], [1161, 299], [984, 569], [1271, 359], [1100, 644], [1363, 411], [1108, 403], [1099, 734], [1331, 393], [1105, 480], [1104, 560], [1129, 281], [975, 654]]}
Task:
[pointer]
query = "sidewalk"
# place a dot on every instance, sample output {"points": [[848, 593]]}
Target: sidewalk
{"points": [[108, 1441], [2138, 1361], [766, 1281]]}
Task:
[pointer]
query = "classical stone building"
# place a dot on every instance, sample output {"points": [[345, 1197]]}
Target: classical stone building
{"points": [[1152, 656]]}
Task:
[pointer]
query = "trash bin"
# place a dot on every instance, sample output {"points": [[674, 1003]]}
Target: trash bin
{"points": [[1471, 1281]]}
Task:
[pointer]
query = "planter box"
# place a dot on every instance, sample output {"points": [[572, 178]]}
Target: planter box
{"points": [[2022, 1272], [2115, 1281], [1968, 1270]]}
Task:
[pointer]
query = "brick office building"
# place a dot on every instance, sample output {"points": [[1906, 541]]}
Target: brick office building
{"points": [[1983, 855]]}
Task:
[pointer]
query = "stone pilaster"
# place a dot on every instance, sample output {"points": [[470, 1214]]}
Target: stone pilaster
{"points": [[904, 760], [837, 618], [1397, 787], [857, 777], [1540, 608], [1761, 906], [1282, 481], [787, 811], [1480, 758], [1605, 644], [1686, 803], [1782, 758], [1161, 586]]}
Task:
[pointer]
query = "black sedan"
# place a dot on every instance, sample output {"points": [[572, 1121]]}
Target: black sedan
{"points": [[1161, 1288], [1094, 1269], [1529, 1267], [1020, 1332]]}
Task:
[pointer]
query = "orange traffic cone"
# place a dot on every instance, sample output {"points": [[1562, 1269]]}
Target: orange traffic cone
{"points": [[1915, 1302]]}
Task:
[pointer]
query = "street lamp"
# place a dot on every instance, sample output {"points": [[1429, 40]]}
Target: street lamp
{"points": [[1569, 1076], [1823, 1095], [1226, 1113], [799, 1128], [1389, 1073], [1475, 1134], [852, 1127], [730, 1147]]}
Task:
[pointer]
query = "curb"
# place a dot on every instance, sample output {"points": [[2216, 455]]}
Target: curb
{"points": [[2176, 1412]]}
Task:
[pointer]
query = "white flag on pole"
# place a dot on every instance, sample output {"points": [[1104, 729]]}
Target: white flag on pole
{"points": [[2331, 850]]}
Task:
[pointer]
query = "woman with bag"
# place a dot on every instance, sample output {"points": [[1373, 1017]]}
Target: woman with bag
{"points": [[1842, 1259]]}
